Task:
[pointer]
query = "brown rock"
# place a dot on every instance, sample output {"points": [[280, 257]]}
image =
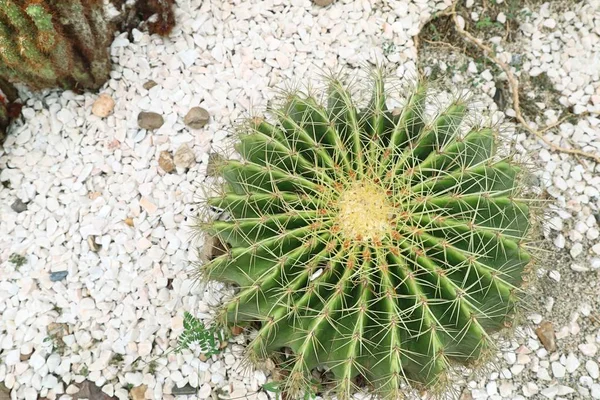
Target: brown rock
{"points": [[150, 120], [4, 392], [546, 335], [197, 118], [103, 106], [57, 330], [184, 157], [129, 221], [139, 392], [149, 85], [165, 161], [322, 3], [213, 248], [236, 330]]}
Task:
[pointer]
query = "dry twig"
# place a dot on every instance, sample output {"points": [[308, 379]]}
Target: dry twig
{"points": [[513, 84]]}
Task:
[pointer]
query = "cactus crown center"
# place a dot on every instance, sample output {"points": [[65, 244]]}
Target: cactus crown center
{"points": [[364, 211]]}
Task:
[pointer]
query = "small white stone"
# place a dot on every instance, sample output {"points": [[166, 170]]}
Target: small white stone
{"points": [[555, 275], [72, 389], [148, 205], [193, 379], [53, 362], [109, 389], [558, 370], [550, 392], [564, 390], [550, 23], [523, 359], [543, 374], [576, 250], [491, 388], [506, 389], [579, 268], [37, 361], [588, 349], [87, 304], [530, 389], [595, 391], [510, 358], [555, 223], [592, 368], [487, 75], [205, 391], [572, 363], [144, 348]]}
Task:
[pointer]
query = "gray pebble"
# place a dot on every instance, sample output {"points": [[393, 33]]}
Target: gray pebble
{"points": [[185, 390], [18, 206], [197, 118], [150, 120], [58, 276]]}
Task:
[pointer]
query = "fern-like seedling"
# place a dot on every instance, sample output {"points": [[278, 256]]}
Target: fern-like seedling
{"points": [[194, 332], [383, 245]]}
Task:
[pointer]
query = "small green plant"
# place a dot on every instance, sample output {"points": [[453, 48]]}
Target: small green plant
{"points": [[384, 245], [84, 371], [388, 47], [17, 260], [486, 22], [116, 359], [275, 388], [152, 367], [272, 387], [57, 344], [194, 332]]}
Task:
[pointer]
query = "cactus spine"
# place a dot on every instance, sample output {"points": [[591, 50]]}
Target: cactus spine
{"points": [[382, 245], [54, 43]]}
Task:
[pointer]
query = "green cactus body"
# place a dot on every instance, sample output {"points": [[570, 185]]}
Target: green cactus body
{"points": [[376, 243], [54, 43]]}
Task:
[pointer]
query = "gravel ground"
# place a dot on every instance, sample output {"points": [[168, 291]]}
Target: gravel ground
{"points": [[98, 301]]}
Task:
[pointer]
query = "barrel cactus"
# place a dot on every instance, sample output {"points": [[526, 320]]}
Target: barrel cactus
{"points": [[381, 245], [55, 43]]}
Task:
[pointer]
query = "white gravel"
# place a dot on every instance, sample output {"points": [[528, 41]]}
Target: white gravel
{"points": [[83, 177]]}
